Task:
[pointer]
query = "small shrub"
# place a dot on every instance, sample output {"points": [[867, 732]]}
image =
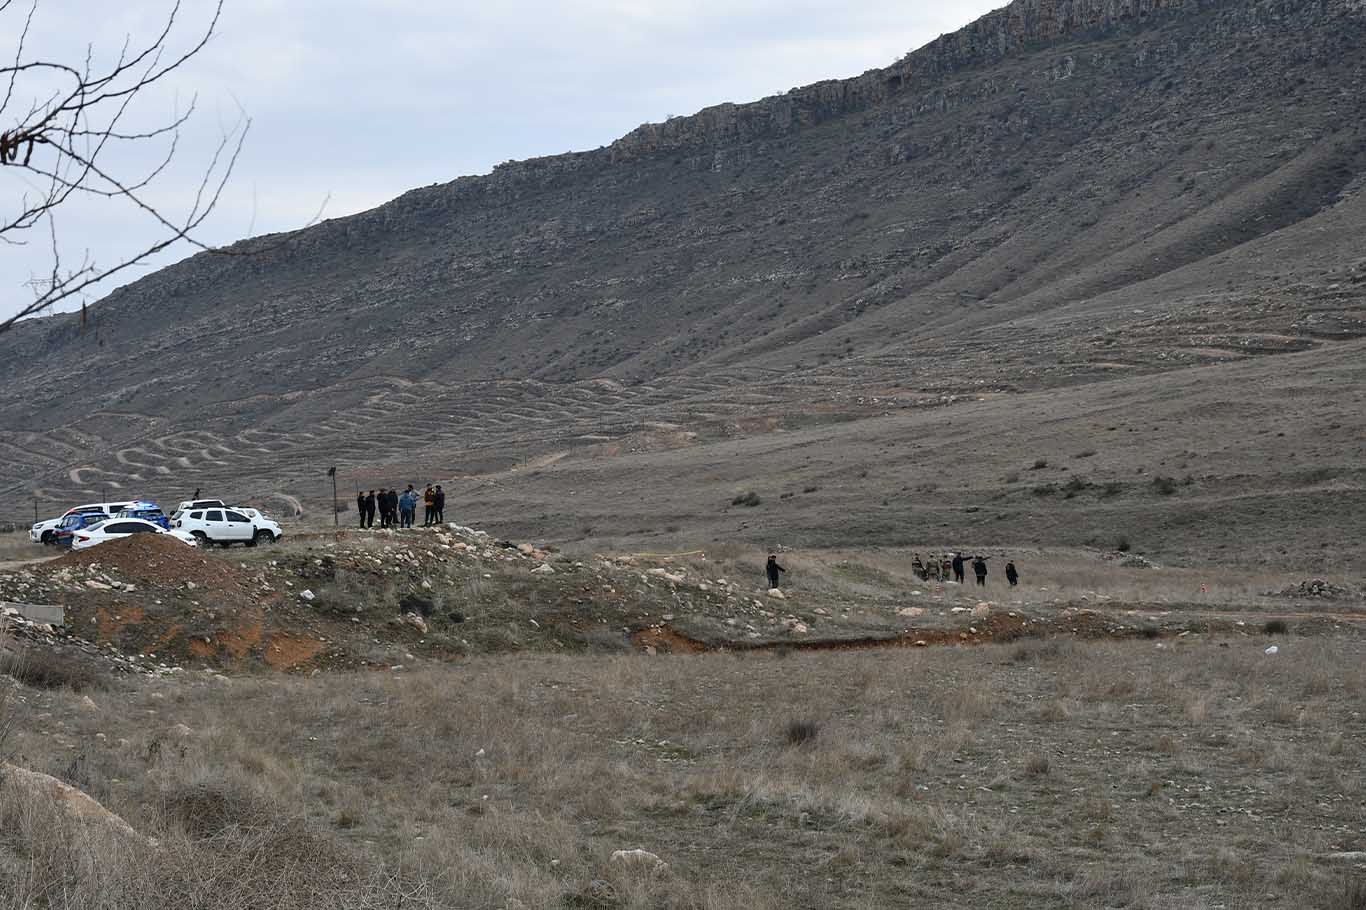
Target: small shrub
{"points": [[1149, 632], [749, 499], [1122, 544], [801, 732], [1044, 489], [1165, 486], [1012, 477], [1112, 488], [1276, 627], [1088, 453], [50, 670], [1040, 464], [1074, 486], [1036, 765], [810, 489], [1031, 652], [207, 810]]}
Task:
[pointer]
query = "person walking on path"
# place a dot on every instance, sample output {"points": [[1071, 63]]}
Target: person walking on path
{"points": [[1012, 576], [979, 568], [370, 509], [360, 506], [439, 502], [773, 570], [958, 561]]}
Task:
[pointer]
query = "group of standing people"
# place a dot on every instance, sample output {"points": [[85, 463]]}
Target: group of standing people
{"points": [[937, 569], [399, 510], [933, 569]]}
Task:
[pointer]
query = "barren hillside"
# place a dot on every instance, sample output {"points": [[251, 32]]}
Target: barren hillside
{"points": [[1062, 219]]}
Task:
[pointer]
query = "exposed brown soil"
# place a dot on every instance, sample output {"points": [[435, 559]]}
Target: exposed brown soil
{"points": [[152, 559], [288, 652]]}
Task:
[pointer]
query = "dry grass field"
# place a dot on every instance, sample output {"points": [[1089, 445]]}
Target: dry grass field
{"points": [[1191, 773], [16, 547]]}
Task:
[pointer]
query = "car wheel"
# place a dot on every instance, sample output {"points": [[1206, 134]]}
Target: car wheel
{"points": [[262, 536], [47, 538]]}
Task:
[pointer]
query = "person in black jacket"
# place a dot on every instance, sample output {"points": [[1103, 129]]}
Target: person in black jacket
{"points": [[439, 498], [370, 509], [360, 506], [979, 568], [1012, 576], [958, 561], [773, 569]]}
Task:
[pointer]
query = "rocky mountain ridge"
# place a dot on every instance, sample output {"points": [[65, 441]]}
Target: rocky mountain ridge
{"points": [[1059, 194]]}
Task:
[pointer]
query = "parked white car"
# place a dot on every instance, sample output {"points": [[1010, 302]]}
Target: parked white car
{"points": [[227, 526], [115, 528], [200, 505], [46, 531]]}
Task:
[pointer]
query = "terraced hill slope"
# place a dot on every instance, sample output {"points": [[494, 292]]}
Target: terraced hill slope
{"points": [[1061, 198]]}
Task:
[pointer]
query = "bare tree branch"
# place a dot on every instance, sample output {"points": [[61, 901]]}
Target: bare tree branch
{"points": [[59, 125]]}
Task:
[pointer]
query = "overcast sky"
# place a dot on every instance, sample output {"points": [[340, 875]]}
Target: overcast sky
{"points": [[353, 102]]}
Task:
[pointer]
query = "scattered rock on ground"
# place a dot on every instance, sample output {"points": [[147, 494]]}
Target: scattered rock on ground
{"points": [[73, 803], [640, 858], [1317, 587]]}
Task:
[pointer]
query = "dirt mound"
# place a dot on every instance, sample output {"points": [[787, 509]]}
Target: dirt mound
{"points": [[155, 560]]}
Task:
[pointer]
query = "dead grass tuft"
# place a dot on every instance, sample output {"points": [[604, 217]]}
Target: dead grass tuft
{"points": [[965, 704], [42, 669], [1350, 895], [801, 732], [208, 810]]}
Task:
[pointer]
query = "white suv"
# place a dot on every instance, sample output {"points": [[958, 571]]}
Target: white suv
{"points": [[227, 526]]}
